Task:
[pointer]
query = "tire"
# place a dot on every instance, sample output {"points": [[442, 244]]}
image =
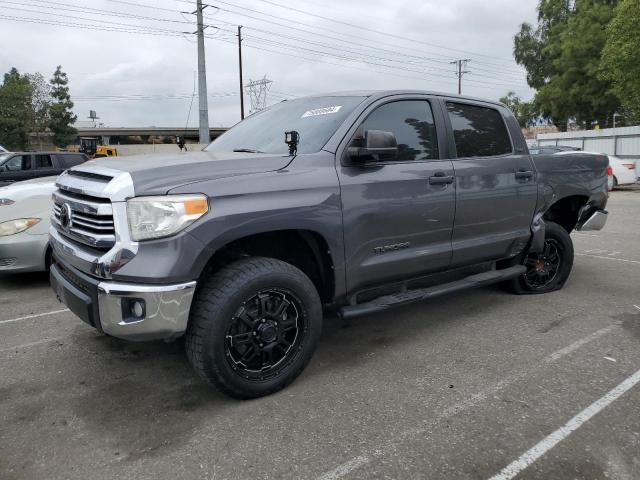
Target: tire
{"points": [[252, 310], [541, 276], [615, 182]]}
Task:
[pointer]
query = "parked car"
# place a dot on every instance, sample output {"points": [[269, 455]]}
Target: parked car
{"points": [[355, 202], [25, 217], [18, 166], [3, 150], [551, 149], [623, 171]]}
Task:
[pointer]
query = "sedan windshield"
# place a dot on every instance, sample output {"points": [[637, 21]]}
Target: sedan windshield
{"points": [[4, 158], [315, 119]]}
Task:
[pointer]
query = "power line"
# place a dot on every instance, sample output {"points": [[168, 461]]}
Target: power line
{"points": [[378, 32], [128, 28], [444, 58]]}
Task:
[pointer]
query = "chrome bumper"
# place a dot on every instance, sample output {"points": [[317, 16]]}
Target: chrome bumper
{"points": [[166, 310], [596, 221], [129, 311]]}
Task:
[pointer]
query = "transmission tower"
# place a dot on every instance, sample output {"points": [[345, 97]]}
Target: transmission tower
{"points": [[257, 91]]}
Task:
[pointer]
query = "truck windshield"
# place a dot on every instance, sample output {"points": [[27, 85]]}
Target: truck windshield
{"points": [[315, 119]]}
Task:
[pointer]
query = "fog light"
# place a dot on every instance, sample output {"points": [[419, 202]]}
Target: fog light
{"points": [[137, 309]]}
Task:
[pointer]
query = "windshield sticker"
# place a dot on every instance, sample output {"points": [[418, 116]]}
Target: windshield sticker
{"points": [[321, 111]]}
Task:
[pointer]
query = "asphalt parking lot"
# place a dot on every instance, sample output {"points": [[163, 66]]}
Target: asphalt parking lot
{"points": [[467, 386]]}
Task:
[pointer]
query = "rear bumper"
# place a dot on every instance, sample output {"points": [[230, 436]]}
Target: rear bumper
{"points": [[596, 221], [109, 306]]}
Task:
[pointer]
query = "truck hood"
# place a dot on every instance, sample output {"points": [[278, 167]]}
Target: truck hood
{"points": [[156, 174]]}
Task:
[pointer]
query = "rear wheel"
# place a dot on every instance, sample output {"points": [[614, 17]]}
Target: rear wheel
{"points": [[548, 270], [254, 326]]}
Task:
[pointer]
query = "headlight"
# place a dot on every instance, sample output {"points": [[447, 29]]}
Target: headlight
{"points": [[158, 217], [16, 226], [6, 201]]}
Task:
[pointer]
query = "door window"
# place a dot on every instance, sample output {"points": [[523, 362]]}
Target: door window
{"points": [[17, 163], [411, 121], [478, 131], [43, 161]]}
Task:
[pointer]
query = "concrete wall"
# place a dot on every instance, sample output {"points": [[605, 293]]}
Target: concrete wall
{"points": [[128, 150]]}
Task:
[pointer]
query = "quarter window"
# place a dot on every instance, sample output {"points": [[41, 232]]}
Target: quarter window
{"points": [[478, 131], [411, 121]]}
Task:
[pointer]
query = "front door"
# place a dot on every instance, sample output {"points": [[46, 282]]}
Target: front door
{"points": [[398, 211], [496, 189], [16, 169]]}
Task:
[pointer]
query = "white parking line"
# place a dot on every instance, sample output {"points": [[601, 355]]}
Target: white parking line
{"points": [[345, 468], [357, 462], [534, 453], [608, 258], [37, 315], [637, 307]]}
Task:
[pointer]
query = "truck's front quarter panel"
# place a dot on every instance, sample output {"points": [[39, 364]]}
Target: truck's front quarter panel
{"points": [[305, 196]]}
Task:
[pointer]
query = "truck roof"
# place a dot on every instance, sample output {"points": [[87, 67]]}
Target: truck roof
{"points": [[386, 93]]}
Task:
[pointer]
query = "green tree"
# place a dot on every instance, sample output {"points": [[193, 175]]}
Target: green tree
{"points": [[61, 118], [621, 57], [15, 111], [562, 58], [525, 112]]}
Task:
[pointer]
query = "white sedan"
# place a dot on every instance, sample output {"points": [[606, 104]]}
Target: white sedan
{"points": [[25, 217], [623, 172]]}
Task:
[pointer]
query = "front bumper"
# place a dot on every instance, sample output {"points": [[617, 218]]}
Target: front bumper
{"points": [[108, 306], [23, 252]]}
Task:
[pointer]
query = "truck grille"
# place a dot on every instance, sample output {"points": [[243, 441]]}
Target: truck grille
{"points": [[84, 219]]}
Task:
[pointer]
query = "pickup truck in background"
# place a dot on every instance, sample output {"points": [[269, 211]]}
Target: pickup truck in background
{"points": [[18, 166], [354, 202]]}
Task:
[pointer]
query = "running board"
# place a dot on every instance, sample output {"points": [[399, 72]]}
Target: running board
{"points": [[411, 296]]}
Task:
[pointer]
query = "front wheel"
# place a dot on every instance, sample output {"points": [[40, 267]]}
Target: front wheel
{"points": [[548, 270], [254, 326]]}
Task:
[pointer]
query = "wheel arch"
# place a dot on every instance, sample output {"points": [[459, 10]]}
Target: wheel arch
{"points": [[306, 250], [566, 211]]}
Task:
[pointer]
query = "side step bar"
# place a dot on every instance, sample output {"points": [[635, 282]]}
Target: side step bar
{"points": [[403, 298]]}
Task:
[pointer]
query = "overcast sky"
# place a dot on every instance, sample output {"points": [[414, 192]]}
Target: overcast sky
{"points": [[126, 67]]}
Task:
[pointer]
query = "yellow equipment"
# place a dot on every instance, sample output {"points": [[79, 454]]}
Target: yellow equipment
{"points": [[89, 146]]}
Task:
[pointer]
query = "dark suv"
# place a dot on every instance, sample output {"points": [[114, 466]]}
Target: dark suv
{"points": [[17, 166]]}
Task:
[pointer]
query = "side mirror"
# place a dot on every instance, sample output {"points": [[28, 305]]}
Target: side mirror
{"points": [[378, 146]]}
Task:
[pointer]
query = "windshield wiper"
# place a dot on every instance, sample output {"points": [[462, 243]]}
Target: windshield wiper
{"points": [[247, 150]]}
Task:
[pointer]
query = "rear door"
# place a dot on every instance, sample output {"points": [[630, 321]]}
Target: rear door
{"points": [[16, 169], [496, 190], [397, 219], [44, 165]]}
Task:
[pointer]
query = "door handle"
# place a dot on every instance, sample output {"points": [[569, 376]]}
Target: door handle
{"points": [[440, 178], [523, 174]]}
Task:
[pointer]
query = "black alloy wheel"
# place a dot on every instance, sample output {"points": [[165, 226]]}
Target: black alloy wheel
{"points": [[265, 334], [542, 268]]}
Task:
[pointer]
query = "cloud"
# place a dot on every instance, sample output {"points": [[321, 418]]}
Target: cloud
{"points": [[101, 63]]}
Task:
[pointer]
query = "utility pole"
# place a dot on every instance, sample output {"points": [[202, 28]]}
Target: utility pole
{"points": [[202, 79], [240, 67], [461, 66]]}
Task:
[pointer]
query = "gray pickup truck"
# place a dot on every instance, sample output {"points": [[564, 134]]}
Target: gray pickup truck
{"points": [[352, 202]]}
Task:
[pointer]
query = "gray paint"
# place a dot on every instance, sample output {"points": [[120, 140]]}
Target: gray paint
{"points": [[356, 209]]}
